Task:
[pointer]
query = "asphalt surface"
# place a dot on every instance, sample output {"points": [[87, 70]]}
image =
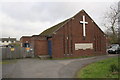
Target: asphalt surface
{"points": [[36, 68]]}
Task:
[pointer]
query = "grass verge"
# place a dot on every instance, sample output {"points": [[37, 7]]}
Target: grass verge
{"points": [[100, 69], [65, 58], [8, 61]]}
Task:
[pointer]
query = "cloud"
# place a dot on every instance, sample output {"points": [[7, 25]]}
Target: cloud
{"points": [[29, 18], [37, 11], [16, 28]]}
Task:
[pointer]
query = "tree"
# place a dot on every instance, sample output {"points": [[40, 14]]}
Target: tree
{"points": [[111, 23], [119, 33], [119, 23]]}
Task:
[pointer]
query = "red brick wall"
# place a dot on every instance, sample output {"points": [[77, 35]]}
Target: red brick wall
{"points": [[40, 45], [73, 30], [63, 47], [24, 39]]}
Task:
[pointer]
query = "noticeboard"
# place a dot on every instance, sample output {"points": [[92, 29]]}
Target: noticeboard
{"points": [[83, 46]]}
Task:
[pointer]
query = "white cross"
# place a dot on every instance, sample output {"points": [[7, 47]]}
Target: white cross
{"points": [[83, 22]]}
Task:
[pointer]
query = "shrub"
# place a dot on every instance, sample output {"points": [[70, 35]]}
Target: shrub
{"points": [[114, 68]]}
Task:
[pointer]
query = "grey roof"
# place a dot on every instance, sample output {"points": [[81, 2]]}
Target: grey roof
{"points": [[7, 39], [52, 29]]}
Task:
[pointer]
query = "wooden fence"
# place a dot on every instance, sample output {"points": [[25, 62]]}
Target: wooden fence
{"points": [[15, 53]]}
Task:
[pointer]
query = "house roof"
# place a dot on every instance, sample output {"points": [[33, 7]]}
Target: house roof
{"points": [[26, 37], [7, 39], [51, 30]]}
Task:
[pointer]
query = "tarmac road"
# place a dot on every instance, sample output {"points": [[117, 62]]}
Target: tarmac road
{"points": [[36, 68]]}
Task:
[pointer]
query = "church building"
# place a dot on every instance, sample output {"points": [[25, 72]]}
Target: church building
{"points": [[74, 37]]}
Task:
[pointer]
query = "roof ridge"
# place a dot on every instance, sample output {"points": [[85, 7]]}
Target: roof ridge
{"points": [[56, 27]]}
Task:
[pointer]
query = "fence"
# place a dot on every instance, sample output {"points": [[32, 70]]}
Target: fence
{"points": [[17, 52]]}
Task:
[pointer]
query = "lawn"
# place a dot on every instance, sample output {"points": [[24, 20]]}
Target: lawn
{"points": [[107, 68], [8, 61], [67, 58]]}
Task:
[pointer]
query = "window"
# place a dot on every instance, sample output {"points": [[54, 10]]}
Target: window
{"points": [[26, 44]]}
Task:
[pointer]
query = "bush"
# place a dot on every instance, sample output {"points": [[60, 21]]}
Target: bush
{"points": [[114, 68]]}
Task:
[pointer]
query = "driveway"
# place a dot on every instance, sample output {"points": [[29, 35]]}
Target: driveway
{"points": [[36, 68]]}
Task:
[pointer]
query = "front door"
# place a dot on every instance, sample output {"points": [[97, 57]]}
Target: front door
{"points": [[50, 48]]}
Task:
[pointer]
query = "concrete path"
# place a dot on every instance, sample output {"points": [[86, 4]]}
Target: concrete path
{"points": [[36, 68]]}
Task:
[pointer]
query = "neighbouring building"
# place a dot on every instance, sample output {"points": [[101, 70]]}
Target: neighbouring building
{"points": [[76, 36], [7, 41], [25, 41]]}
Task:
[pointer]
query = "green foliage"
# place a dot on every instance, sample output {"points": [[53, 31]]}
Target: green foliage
{"points": [[101, 69], [71, 58], [114, 68], [8, 61]]}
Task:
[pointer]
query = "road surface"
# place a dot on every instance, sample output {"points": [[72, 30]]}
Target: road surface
{"points": [[36, 68]]}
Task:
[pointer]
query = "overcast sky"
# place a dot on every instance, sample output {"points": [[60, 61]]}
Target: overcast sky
{"points": [[31, 18]]}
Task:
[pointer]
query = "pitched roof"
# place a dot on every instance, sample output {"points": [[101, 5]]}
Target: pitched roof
{"points": [[26, 37], [51, 30], [7, 39]]}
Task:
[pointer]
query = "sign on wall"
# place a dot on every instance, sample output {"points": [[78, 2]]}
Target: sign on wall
{"points": [[12, 49], [83, 46]]}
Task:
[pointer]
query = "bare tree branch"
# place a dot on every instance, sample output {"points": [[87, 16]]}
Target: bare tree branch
{"points": [[111, 22]]}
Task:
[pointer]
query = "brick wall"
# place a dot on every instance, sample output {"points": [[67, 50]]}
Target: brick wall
{"points": [[63, 42], [40, 45], [25, 39], [72, 32]]}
